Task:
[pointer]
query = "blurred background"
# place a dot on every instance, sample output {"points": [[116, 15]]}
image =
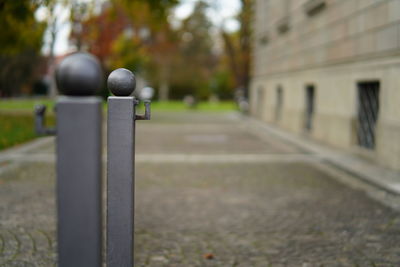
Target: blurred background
{"points": [[189, 53], [327, 69], [180, 48]]}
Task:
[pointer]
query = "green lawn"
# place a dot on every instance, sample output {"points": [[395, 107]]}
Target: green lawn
{"points": [[17, 122], [223, 106], [17, 128], [19, 105], [27, 105]]}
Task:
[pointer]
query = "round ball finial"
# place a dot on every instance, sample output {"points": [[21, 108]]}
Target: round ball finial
{"points": [[79, 74], [121, 82]]}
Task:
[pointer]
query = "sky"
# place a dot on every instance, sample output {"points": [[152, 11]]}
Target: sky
{"points": [[221, 13]]}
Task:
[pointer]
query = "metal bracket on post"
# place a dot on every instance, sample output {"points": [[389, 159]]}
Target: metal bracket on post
{"points": [[147, 112], [40, 128], [121, 167]]}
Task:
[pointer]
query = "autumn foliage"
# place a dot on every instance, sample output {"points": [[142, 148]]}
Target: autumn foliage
{"points": [[177, 59]]}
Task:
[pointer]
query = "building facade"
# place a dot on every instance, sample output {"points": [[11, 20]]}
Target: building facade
{"points": [[330, 69]]}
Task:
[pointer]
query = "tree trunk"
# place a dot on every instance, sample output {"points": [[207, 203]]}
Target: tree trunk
{"points": [[164, 91], [52, 93]]}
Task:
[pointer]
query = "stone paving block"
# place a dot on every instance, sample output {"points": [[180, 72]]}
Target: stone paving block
{"points": [[271, 217], [283, 213]]}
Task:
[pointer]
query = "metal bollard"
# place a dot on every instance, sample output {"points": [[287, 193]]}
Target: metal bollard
{"points": [[120, 167], [79, 156], [40, 128]]}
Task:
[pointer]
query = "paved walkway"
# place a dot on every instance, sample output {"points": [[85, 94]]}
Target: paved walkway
{"points": [[215, 190]]}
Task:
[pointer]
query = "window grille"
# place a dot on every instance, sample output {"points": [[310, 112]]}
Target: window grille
{"points": [[309, 107], [279, 103], [368, 109]]}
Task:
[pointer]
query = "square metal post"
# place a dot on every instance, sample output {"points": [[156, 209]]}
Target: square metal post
{"points": [[120, 180], [79, 183]]}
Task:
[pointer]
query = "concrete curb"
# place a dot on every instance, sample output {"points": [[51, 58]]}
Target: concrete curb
{"points": [[9, 157], [367, 171]]}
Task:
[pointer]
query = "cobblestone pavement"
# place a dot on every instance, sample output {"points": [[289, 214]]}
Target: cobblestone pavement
{"points": [[211, 192]]}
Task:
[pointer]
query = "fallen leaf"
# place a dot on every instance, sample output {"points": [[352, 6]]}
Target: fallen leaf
{"points": [[208, 256]]}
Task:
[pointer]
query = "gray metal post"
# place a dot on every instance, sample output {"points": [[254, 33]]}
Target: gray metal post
{"points": [[79, 156], [120, 168]]}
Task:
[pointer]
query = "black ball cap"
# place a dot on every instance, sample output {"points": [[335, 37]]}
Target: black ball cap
{"points": [[79, 74], [121, 82]]}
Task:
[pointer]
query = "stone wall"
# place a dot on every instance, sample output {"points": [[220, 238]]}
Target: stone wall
{"points": [[342, 43]]}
